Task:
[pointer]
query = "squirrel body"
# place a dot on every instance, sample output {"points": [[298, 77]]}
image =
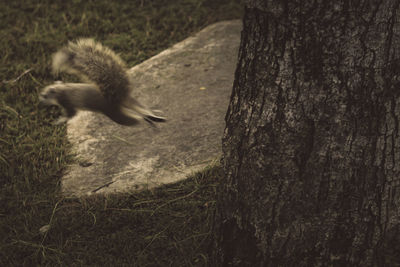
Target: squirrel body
{"points": [[108, 86]]}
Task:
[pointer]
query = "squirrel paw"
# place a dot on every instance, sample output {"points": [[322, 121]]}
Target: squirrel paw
{"points": [[60, 120]]}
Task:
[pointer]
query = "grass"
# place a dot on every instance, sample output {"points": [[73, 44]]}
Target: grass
{"points": [[165, 227], [168, 226]]}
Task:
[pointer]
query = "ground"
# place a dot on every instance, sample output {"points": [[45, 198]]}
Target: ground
{"points": [[166, 226]]}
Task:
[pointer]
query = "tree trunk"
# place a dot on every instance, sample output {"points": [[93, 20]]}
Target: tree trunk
{"points": [[311, 150]]}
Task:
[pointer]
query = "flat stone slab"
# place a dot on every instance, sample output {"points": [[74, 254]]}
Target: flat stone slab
{"points": [[191, 83]]}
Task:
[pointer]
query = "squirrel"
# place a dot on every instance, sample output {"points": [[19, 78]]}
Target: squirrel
{"points": [[107, 88]]}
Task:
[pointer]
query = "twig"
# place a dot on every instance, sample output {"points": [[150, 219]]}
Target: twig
{"points": [[131, 210], [10, 109], [100, 187], [173, 200], [37, 246], [51, 220], [121, 139], [154, 237], [19, 77]]}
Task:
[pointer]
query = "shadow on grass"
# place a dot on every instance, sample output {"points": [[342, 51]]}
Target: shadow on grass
{"points": [[167, 226]]}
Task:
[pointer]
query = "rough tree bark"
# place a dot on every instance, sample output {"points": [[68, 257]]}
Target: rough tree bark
{"points": [[311, 150]]}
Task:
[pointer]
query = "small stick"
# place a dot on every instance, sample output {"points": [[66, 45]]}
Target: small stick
{"points": [[19, 77], [100, 187]]}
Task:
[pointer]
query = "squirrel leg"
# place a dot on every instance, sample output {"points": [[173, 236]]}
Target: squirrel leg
{"points": [[68, 112], [60, 120]]}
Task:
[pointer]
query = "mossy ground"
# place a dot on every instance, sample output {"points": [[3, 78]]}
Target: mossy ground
{"points": [[168, 226]]}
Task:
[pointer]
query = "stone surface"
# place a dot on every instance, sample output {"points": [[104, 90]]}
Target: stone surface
{"points": [[191, 83]]}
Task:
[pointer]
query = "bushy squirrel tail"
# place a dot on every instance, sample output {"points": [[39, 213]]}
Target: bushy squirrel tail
{"points": [[94, 63], [100, 66]]}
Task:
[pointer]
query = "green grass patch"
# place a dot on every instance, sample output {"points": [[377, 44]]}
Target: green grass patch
{"points": [[167, 226]]}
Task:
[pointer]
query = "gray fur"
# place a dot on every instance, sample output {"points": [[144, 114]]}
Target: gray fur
{"points": [[108, 90]]}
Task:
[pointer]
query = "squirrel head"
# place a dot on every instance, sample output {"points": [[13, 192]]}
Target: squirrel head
{"points": [[49, 94]]}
